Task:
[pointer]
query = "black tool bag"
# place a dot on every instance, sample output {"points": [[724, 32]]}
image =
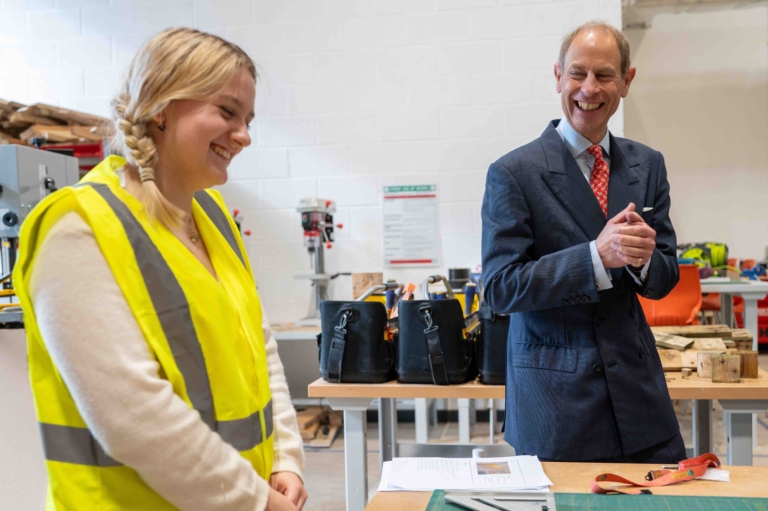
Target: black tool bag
{"points": [[352, 345], [492, 346], [431, 347]]}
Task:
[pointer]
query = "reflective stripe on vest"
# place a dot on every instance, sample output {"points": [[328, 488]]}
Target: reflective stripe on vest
{"points": [[77, 445], [216, 215]]}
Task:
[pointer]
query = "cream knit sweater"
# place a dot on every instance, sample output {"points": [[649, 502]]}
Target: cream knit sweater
{"points": [[105, 362]]}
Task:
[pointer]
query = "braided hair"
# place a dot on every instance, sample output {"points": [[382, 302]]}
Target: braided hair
{"points": [[178, 63]]}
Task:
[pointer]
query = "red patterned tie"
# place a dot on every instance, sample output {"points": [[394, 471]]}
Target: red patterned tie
{"points": [[599, 179]]}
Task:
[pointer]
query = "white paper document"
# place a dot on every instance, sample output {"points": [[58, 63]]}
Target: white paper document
{"points": [[498, 474], [716, 474]]}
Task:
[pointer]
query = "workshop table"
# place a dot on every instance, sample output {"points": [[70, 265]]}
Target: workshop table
{"points": [[750, 290], [576, 478], [739, 401]]}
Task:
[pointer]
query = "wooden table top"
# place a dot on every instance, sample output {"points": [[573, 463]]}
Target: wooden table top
{"points": [[679, 388], [576, 478]]}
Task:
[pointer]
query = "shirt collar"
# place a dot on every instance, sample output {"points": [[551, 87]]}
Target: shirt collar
{"points": [[577, 143]]}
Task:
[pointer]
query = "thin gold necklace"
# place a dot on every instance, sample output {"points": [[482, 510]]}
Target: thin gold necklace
{"points": [[194, 234]]}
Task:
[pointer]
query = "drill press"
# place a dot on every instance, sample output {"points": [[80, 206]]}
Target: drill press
{"points": [[317, 222]]}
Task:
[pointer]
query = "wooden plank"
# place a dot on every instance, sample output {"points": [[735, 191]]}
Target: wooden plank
{"points": [[62, 115], [22, 117], [709, 343], [671, 341], [325, 436], [310, 416], [726, 368], [50, 133], [671, 360], [694, 331]]}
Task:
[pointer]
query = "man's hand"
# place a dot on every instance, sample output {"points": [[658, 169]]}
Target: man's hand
{"points": [[626, 240], [290, 485]]}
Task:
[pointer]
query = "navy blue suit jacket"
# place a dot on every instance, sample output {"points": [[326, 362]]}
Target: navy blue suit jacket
{"points": [[584, 380]]}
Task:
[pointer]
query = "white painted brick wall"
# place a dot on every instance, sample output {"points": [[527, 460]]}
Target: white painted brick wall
{"points": [[354, 94]]}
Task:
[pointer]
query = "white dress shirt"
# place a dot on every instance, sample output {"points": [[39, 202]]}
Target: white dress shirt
{"points": [[577, 144]]}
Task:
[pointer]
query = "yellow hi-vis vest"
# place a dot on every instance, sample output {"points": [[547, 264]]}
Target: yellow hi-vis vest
{"points": [[205, 334]]}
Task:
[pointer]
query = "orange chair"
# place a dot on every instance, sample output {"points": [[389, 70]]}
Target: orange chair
{"points": [[681, 305]]}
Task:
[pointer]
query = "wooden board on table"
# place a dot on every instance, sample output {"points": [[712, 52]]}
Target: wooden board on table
{"points": [[694, 331], [708, 343], [671, 341], [671, 360]]}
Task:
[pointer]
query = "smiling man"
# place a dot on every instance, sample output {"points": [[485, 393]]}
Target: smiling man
{"points": [[575, 225]]}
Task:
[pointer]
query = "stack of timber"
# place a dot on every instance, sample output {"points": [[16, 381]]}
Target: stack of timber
{"points": [[715, 352], [20, 123], [318, 426]]}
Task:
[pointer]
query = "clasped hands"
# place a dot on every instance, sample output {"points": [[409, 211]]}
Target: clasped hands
{"points": [[287, 492], [626, 240]]}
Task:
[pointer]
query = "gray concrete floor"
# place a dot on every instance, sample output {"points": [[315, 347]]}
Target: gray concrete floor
{"points": [[324, 473]]}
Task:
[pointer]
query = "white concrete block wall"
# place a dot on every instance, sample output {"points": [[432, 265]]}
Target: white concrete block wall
{"points": [[354, 94]]}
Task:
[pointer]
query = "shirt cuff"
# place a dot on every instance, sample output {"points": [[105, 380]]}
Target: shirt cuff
{"points": [[643, 272], [602, 275]]}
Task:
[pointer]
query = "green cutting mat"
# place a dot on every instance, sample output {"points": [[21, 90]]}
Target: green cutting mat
{"points": [[591, 502]]}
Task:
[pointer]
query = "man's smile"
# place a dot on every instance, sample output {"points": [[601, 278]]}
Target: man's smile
{"points": [[588, 107]]}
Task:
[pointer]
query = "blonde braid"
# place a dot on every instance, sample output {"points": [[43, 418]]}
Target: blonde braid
{"points": [[143, 153]]}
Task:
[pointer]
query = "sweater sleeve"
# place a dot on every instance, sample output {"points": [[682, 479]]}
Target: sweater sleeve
{"points": [[289, 452], [100, 351]]}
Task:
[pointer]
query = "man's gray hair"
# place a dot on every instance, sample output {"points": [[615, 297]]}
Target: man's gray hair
{"points": [[621, 42]]}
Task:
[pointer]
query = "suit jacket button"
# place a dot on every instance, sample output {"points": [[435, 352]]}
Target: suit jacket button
{"points": [[598, 368]]}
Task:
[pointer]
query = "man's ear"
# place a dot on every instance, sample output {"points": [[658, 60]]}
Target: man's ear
{"points": [[628, 80], [558, 75]]}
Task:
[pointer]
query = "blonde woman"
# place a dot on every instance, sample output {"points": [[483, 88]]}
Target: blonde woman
{"points": [[156, 377]]}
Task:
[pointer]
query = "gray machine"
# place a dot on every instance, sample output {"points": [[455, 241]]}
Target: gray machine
{"points": [[27, 175]]}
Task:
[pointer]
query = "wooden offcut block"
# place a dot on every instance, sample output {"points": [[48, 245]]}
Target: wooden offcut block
{"points": [[690, 358], [748, 364], [362, 282], [726, 368], [687, 372], [704, 363]]}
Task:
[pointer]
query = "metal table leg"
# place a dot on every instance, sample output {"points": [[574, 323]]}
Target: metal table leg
{"points": [[726, 308], [355, 449], [750, 323], [492, 419], [464, 421], [739, 428], [702, 426], [421, 418], [387, 429]]}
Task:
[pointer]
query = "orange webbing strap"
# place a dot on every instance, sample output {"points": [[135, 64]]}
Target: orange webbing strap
{"points": [[687, 470]]}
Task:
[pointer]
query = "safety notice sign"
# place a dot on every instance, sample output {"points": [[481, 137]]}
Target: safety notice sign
{"points": [[411, 236]]}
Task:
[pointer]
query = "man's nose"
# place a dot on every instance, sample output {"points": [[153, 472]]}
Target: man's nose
{"points": [[590, 85]]}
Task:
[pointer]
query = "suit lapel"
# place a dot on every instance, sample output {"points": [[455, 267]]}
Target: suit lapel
{"points": [[567, 183], [624, 183]]}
